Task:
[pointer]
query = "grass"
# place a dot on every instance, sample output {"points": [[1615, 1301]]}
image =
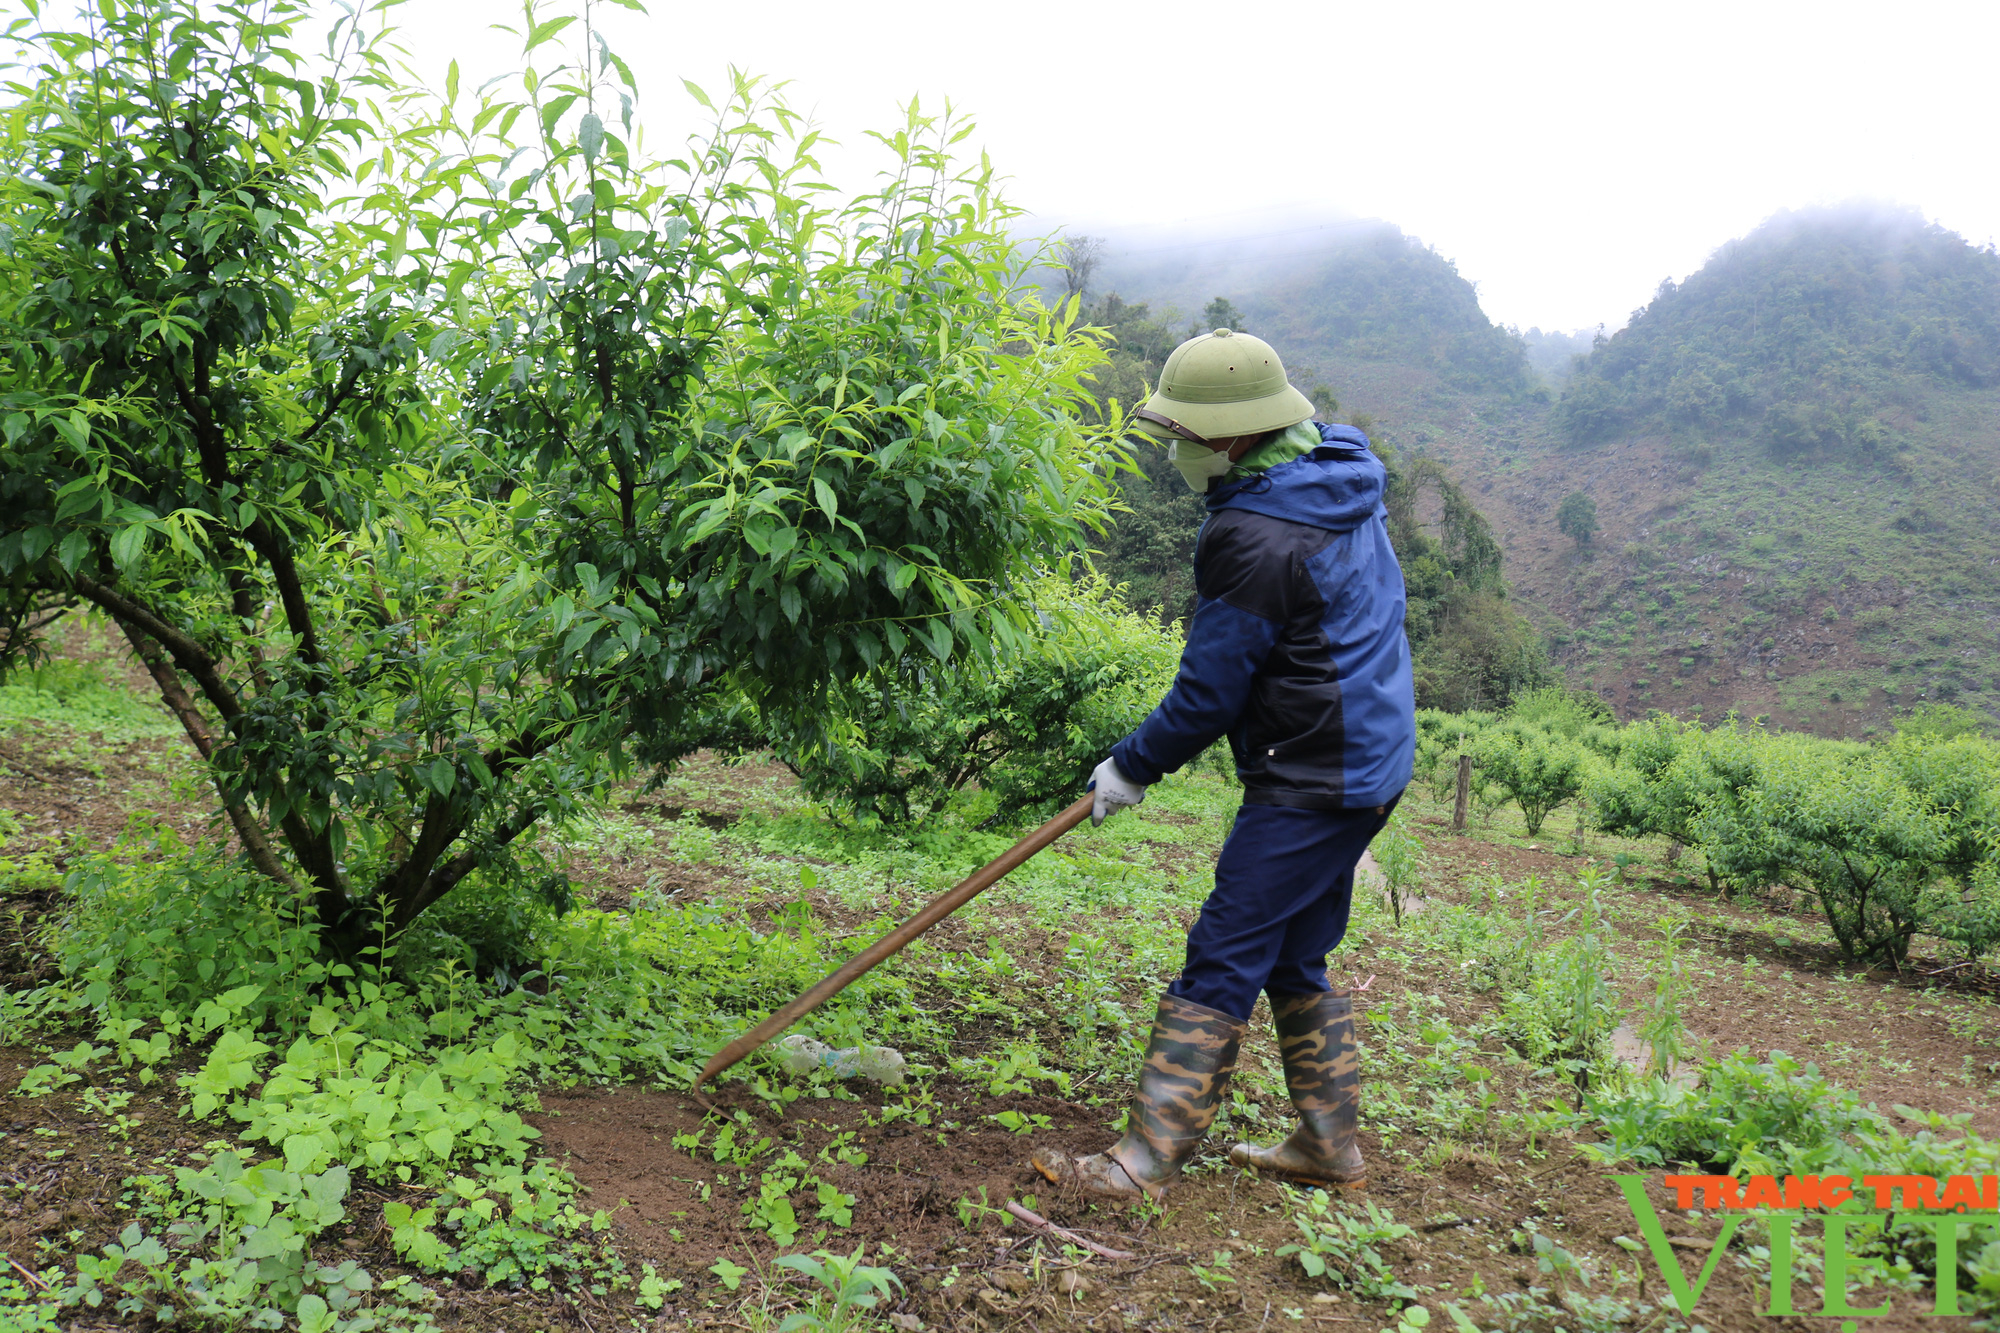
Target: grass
{"points": [[80, 697]]}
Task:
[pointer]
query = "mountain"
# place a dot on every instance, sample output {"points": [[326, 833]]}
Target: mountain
{"points": [[1337, 290], [1805, 334], [1794, 454]]}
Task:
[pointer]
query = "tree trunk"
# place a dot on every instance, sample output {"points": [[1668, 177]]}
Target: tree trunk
{"points": [[255, 845], [1463, 805]]}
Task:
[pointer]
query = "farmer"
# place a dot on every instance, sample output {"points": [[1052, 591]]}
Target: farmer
{"points": [[1296, 652]]}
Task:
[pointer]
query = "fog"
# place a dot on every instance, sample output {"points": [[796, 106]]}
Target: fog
{"points": [[1566, 156]]}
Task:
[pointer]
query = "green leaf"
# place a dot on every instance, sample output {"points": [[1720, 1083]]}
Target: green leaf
{"points": [[694, 91], [544, 31], [553, 111], [72, 551], [827, 501], [128, 544], [590, 136], [85, 497], [314, 1316], [74, 428], [303, 1153]]}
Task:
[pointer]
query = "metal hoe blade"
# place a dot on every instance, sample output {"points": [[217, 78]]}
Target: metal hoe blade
{"points": [[896, 940]]}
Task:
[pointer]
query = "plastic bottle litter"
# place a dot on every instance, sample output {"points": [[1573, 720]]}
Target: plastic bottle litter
{"points": [[800, 1054]]}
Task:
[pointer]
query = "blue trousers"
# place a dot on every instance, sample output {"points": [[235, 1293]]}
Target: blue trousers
{"points": [[1282, 890]]}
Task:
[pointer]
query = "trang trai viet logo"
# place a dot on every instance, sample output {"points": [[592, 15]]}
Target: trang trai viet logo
{"points": [[1949, 1210]]}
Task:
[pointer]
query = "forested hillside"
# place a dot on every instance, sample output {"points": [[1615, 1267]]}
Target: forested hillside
{"points": [[1791, 456], [1799, 447]]}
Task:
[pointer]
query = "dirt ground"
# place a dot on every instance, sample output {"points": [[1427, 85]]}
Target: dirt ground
{"points": [[1895, 1039], [928, 1196]]}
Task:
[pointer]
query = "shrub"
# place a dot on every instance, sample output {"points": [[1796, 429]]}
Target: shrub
{"points": [[1563, 712], [1027, 728], [1942, 721], [449, 501], [1839, 822], [1956, 777], [1576, 518], [1538, 770], [1441, 738], [1657, 784]]}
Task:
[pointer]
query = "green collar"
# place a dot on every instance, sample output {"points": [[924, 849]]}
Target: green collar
{"points": [[1289, 443]]}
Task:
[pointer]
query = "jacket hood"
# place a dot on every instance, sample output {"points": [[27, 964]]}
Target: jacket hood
{"points": [[1338, 486]]}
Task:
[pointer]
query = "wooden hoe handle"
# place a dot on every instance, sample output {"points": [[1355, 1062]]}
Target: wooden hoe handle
{"points": [[896, 940]]}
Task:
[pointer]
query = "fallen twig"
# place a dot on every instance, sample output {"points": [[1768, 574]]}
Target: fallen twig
{"points": [[1362, 985], [1063, 1233], [1429, 1227], [32, 1277]]}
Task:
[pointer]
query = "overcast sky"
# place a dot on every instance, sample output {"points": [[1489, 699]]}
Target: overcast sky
{"points": [[1566, 156]]}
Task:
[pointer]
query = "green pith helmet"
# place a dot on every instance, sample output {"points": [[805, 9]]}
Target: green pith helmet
{"points": [[1222, 384]]}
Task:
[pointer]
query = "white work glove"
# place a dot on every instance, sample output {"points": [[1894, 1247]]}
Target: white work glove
{"points": [[1114, 791]]}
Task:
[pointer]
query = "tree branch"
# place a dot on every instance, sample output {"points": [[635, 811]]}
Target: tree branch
{"points": [[447, 876], [333, 402], [291, 592], [314, 851], [178, 702], [243, 605], [188, 655], [262, 537], [413, 884]]}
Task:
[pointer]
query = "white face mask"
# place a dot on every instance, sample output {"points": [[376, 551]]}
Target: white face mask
{"points": [[1199, 466]]}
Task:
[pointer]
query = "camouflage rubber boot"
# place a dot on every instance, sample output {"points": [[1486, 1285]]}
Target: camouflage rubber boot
{"points": [[1189, 1059], [1316, 1034]]}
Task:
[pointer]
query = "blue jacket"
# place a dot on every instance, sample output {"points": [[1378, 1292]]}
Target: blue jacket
{"points": [[1296, 650]]}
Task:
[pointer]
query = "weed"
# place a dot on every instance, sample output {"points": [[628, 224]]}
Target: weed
{"points": [[1014, 1070], [1565, 1014], [233, 1251], [1401, 858], [1774, 1118], [1017, 1123], [1344, 1247], [849, 1289], [1215, 1272], [1663, 1030], [653, 1290], [971, 1214], [1090, 994]]}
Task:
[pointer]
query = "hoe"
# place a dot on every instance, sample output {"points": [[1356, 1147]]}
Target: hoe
{"points": [[895, 941]]}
